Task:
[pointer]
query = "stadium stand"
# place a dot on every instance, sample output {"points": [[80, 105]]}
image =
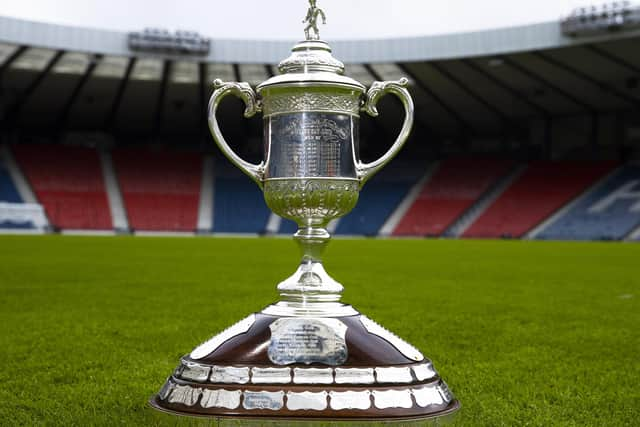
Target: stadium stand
{"points": [[454, 187], [610, 211], [68, 182], [160, 189], [542, 189], [8, 191], [238, 205], [379, 198]]}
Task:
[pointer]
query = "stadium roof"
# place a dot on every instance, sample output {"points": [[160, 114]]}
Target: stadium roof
{"points": [[490, 84]]}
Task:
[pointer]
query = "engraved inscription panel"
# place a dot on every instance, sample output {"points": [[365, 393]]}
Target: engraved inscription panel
{"points": [[394, 375], [185, 394], [424, 371], [354, 376], [271, 375], [307, 340], [311, 145], [194, 372], [312, 375], [427, 396], [229, 375], [307, 400], [349, 400], [229, 399], [263, 400], [384, 399]]}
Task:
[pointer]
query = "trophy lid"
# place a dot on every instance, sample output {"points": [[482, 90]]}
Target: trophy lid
{"points": [[311, 63]]}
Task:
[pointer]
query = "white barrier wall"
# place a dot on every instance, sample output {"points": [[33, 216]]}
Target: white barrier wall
{"points": [[21, 213]]}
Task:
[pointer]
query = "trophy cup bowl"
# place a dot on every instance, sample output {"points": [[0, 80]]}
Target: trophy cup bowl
{"points": [[308, 356]]}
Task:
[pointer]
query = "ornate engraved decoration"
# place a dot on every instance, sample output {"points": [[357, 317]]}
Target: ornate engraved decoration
{"points": [[299, 198], [404, 347], [216, 341], [278, 103]]}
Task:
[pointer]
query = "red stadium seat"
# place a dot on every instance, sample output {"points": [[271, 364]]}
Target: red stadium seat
{"points": [[541, 190], [455, 186], [161, 190], [68, 182]]}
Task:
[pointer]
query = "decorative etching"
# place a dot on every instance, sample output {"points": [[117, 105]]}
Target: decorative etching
{"points": [[311, 198], [278, 103], [306, 340]]}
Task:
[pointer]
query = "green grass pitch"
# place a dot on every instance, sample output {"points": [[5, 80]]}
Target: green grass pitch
{"points": [[525, 333]]}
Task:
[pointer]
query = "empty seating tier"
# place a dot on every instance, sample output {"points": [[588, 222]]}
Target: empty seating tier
{"points": [[542, 189], [68, 182], [380, 197], [610, 211], [160, 189], [238, 205], [453, 188]]}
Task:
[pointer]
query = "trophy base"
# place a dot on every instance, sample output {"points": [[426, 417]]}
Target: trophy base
{"points": [[301, 369]]}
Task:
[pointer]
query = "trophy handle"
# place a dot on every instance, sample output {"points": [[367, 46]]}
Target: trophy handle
{"points": [[375, 92], [252, 104]]}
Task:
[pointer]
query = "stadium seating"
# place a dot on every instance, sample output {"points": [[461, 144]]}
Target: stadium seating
{"points": [[238, 205], [9, 194], [160, 189], [380, 197], [8, 191], [611, 211], [542, 189], [68, 182], [453, 188]]}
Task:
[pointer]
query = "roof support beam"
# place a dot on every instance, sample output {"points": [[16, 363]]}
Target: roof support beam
{"points": [[164, 82], [547, 83], [418, 120], [64, 114], [464, 124], [613, 58], [506, 121], [14, 110], [504, 86], [117, 100], [580, 74], [11, 58]]}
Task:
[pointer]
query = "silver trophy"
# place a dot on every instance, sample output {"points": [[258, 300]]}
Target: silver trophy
{"points": [[308, 355]]}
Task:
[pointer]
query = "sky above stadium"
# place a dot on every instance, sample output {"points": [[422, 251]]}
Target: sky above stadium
{"points": [[281, 19]]}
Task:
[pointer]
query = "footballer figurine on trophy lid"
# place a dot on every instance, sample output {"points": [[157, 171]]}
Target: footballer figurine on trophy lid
{"points": [[308, 356]]}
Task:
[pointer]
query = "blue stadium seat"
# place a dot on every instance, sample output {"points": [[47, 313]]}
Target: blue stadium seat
{"points": [[8, 191], [238, 205], [379, 198], [609, 213], [9, 194]]}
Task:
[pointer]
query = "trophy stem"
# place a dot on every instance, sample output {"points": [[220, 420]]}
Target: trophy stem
{"points": [[310, 283]]}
